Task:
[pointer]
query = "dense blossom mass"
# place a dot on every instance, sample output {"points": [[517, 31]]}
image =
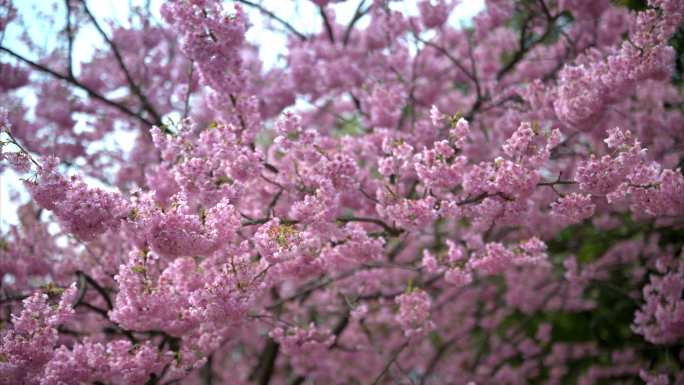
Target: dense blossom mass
{"points": [[399, 200]]}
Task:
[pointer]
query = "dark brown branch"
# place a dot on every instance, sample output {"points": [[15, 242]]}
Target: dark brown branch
{"points": [[556, 182], [478, 89], [545, 9], [154, 379], [518, 56], [340, 326], [7, 298], [358, 14], [98, 310], [389, 229], [475, 199], [389, 363], [14, 141], [449, 56], [82, 288], [357, 103], [233, 101], [275, 17], [119, 59], [436, 358], [525, 46], [97, 287], [69, 332], [328, 26], [264, 370], [274, 202], [70, 39], [271, 167], [207, 372], [260, 221], [73, 81], [308, 288], [337, 331]]}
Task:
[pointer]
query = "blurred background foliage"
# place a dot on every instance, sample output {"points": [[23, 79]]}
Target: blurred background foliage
{"points": [[609, 323]]}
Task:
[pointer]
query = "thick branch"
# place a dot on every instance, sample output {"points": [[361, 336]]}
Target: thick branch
{"points": [[207, 372], [264, 370], [337, 331], [449, 56]]}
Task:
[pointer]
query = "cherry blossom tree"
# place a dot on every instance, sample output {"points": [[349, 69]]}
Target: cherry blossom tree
{"points": [[400, 201]]}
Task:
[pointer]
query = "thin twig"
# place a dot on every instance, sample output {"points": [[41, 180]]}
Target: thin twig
{"points": [[358, 14], [15, 142], [98, 288], [389, 363], [73, 81], [275, 17], [119, 59], [389, 229]]}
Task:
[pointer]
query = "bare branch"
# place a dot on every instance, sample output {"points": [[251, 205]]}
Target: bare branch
{"points": [[70, 39], [73, 81], [119, 59], [358, 14], [389, 363], [326, 23], [275, 17]]}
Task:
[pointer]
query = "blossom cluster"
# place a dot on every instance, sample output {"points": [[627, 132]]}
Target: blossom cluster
{"points": [[399, 201]]}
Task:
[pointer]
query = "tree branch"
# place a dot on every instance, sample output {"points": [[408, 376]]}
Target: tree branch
{"points": [[337, 331], [73, 81], [389, 363], [389, 229], [275, 17], [326, 23], [70, 39], [97, 287], [119, 59], [264, 370], [358, 14], [526, 47], [207, 372]]}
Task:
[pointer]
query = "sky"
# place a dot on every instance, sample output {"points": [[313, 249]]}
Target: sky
{"points": [[302, 14]]}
